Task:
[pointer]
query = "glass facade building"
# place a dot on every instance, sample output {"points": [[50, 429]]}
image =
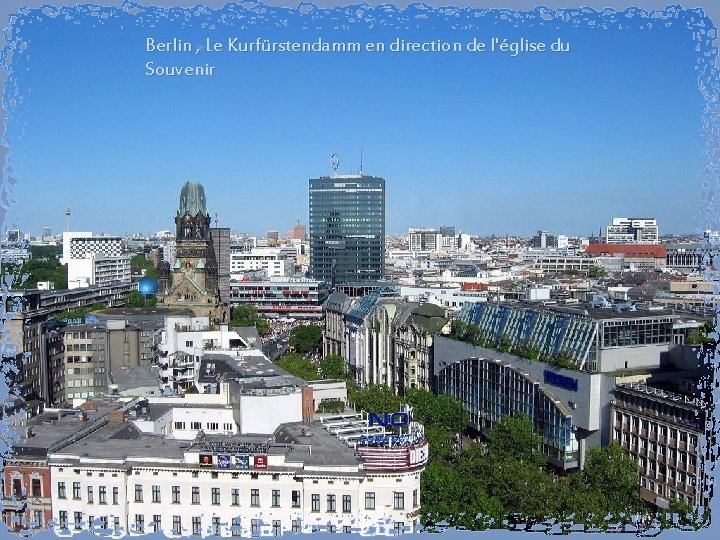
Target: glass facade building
{"points": [[347, 228], [491, 389]]}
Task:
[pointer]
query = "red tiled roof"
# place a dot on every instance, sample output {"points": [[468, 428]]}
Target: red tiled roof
{"points": [[629, 250]]}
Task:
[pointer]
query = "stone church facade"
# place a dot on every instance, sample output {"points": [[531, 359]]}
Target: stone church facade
{"points": [[192, 282]]}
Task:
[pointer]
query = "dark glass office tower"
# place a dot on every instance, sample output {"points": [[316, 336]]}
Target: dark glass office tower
{"points": [[347, 228]]}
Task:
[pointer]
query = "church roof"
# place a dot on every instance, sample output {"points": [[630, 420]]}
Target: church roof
{"points": [[192, 199]]}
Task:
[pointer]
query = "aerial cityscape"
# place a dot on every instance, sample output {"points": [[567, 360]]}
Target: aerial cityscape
{"points": [[354, 292], [330, 378]]}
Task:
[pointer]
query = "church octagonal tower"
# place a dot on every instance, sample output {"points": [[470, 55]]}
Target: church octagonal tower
{"points": [[192, 282]]}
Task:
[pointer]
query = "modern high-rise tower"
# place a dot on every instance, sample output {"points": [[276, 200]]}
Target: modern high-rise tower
{"points": [[347, 228]]}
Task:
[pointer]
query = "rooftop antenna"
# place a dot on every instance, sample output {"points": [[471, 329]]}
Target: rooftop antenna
{"points": [[361, 158], [334, 163]]}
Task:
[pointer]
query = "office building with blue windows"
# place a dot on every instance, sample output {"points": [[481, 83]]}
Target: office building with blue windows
{"points": [[347, 228]]}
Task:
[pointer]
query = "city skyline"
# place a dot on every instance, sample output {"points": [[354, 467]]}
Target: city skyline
{"points": [[489, 143]]}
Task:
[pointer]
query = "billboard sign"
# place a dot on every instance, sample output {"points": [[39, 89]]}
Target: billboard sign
{"points": [[260, 462], [206, 460], [391, 440], [223, 461], [242, 461], [562, 381]]}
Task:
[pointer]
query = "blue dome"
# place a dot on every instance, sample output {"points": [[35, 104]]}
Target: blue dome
{"points": [[147, 285]]}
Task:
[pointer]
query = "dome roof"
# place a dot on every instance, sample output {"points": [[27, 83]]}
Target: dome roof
{"points": [[192, 199], [147, 285]]}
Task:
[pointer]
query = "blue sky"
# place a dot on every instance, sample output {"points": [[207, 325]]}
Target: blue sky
{"points": [[490, 143]]}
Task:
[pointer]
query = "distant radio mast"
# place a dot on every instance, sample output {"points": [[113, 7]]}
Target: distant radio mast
{"points": [[67, 215]]}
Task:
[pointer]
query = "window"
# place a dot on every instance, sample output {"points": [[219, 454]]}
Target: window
{"points": [[90, 494], [347, 503], [276, 497], [347, 529], [369, 500], [196, 526], [331, 503], [236, 529], [255, 527], [61, 490], [254, 497], [35, 488], [63, 518], [415, 498], [296, 525], [216, 526], [235, 497], [116, 494], [215, 496], [102, 495], [398, 500], [195, 425], [195, 495], [399, 527], [315, 502], [76, 490], [176, 494], [177, 525], [276, 528], [139, 523], [296, 499], [78, 520], [138, 493], [156, 494], [212, 426], [179, 425], [157, 523]]}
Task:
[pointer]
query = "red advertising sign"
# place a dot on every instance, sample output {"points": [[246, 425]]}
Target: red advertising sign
{"points": [[260, 462]]}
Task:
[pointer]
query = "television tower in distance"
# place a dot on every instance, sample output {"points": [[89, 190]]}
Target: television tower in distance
{"points": [[67, 215]]}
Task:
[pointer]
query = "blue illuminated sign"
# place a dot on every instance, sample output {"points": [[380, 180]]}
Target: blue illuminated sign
{"points": [[555, 379], [398, 419]]}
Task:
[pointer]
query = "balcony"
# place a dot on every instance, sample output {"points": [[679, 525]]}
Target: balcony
{"points": [[14, 503]]}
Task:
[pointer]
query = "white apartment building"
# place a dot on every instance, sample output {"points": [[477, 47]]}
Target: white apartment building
{"points": [[632, 231], [94, 260], [273, 260], [186, 339], [297, 477]]}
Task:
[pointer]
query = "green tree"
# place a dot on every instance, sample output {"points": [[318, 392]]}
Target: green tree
{"points": [[682, 515], [247, 315], [45, 252], [333, 366], [138, 263], [331, 406], [300, 366], [97, 306], [134, 300], [306, 338], [441, 411], [514, 438], [460, 501], [608, 484], [377, 398], [596, 272], [150, 302]]}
